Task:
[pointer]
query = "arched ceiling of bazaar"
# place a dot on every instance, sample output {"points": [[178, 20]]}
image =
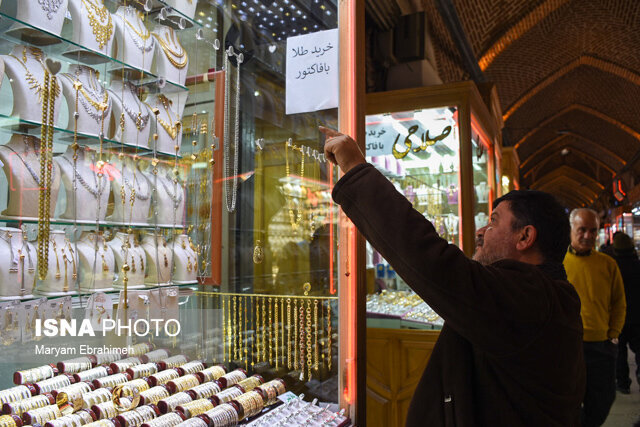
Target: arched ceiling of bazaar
{"points": [[567, 73]]}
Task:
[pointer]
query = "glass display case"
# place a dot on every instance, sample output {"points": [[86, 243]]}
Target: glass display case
{"points": [[169, 242], [438, 146]]}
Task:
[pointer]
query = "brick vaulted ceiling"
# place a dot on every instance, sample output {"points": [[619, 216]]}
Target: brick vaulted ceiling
{"points": [[568, 77]]}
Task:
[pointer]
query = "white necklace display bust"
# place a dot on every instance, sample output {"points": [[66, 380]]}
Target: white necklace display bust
{"points": [[172, 60], [25, 68], [185, 260], [62, 273], [137, 116], [92, 25], [48, 15], [169, 196], [159, 260], [134, 43], [94, 102], [169, 133], [17, 265], [92, 190], [21, 163], [134, 257], [130, 178], [97, 263]]}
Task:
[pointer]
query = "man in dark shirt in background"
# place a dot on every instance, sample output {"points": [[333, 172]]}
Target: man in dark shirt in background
{"points": [[625, 255], [510, 351]]}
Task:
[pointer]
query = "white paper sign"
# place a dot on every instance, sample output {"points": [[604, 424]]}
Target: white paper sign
{"points": [[312, 72]]}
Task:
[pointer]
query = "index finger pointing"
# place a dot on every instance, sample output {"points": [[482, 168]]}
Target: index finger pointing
{"points": [[329, 132]]}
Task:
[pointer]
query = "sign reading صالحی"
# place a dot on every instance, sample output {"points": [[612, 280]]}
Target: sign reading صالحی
{"points": [[382, 140], [312, 72]]}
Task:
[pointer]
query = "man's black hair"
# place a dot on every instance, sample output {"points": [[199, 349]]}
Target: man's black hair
{"points": [[541, 210]]}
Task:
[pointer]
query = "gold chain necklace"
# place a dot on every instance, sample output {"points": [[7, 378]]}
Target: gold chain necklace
{"points": [[46, 166], [172, 129], [171, 53], [143, 35], [97, 15], [295, 220]]}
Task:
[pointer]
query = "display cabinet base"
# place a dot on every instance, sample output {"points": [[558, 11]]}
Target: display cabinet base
{"points": [[33, 36], [86, 56]]}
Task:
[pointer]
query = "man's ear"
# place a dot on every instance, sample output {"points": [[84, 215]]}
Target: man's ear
{"points": [[527, 238]]}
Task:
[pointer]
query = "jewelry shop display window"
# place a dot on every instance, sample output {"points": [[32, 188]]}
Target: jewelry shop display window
{"points": [[153, 177]]}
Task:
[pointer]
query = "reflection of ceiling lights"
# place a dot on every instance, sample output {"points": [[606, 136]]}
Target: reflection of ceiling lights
{"points": [[564, 151]]}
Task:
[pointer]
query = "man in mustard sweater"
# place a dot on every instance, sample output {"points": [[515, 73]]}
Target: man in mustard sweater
{"points": [[598, 282]]}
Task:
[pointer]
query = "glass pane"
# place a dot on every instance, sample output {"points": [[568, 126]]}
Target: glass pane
{"points": [[179, 190], [419, 152], [481, 174]]}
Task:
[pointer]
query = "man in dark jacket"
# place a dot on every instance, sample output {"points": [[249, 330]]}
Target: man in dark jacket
{"points": [[629, 264], [510, 352]]}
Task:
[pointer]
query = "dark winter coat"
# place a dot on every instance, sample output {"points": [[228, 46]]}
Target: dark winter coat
{"points": [[510, 352]]}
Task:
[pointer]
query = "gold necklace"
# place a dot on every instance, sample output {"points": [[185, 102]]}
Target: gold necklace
{"points": [[295, 220], [143, 35], [30, 78], [172, 129], [49, 90], [170, 53], [97, 15]]}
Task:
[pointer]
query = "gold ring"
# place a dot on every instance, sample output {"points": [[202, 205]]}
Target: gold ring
{"points": [[125, 397]]}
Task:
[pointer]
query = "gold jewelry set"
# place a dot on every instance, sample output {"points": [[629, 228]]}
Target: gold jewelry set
{"points": [[100, 21]]}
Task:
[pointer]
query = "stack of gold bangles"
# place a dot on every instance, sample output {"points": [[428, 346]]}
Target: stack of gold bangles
{"points": [[223, 415], [210, 374], [171, 419], [204, 390], [96, 397], [14, 394], [35, 374], [195, 407], [92, 374], [153, 395], [137, 417], [42, 415], [250, 383], [22, 406], [105, 410], [250, 403], [164, 377], [10, 421], [145, 370], [229, 394], [170, 403]]}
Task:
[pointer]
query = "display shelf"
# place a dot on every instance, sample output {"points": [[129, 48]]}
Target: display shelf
{"points": [[66, 137], [92, 224], [68, 52], [173, 20]]}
